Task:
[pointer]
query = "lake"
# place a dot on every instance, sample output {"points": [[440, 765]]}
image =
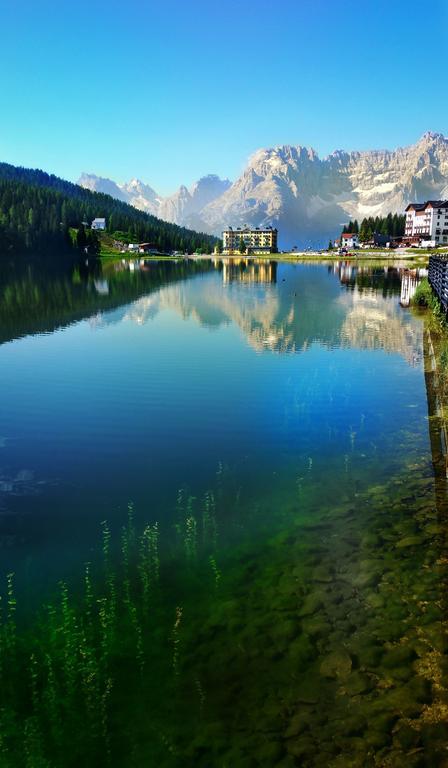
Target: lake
{"points": [[246, 455]]}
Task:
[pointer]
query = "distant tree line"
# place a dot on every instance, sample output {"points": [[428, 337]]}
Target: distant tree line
{"points": [[38, 211], [393, 224]]}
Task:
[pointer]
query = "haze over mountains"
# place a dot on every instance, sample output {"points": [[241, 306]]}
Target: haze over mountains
{"points": [[290, 187]]}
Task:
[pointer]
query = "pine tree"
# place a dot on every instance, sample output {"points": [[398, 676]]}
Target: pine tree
{"points": [[81, 239], [363, 231]]}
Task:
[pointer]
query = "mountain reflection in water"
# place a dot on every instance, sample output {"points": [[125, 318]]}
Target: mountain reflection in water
{"points": [[288, 315]]}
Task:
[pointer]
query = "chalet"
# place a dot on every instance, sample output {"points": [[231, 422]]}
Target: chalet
{"points": [[99, 224], [148, 248], [349, 240]]}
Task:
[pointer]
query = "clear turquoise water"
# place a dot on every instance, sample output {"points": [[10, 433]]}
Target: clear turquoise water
{"points": [[134, 403], [296, 393]]}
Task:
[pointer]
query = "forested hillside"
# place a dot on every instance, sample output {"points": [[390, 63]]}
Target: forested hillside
{"points": [[392, 224], [37, 210]]}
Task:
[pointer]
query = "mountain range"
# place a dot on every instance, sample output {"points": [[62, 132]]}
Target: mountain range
{"points": [[307, 198]]}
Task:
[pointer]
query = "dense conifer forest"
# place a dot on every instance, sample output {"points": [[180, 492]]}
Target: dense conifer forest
{"points": [[392, 224], [38, 210]]}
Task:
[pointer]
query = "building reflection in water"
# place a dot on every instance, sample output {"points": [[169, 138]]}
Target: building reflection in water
{"points": [[305, 306], [409, 282], [101, 286], [351, 274], [249, 270]]}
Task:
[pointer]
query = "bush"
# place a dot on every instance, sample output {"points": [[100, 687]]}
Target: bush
{"points": [[423, 296]]}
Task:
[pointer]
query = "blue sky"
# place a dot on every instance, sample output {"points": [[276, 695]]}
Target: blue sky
{"points": [[162, 90]]}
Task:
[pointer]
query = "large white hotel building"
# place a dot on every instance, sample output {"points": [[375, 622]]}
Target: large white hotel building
{"points": [[428, 221], [255, 240]]}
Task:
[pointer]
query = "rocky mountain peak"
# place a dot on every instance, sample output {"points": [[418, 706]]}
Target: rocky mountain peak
{"points": [[137, 188], [99, 184], [306, 197], [430, 137]]}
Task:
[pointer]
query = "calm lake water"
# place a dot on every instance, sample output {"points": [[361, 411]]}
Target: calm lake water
{"points": [[294, 397]]}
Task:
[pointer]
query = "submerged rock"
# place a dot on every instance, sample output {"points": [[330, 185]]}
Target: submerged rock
{"points": [[400, 701], [367, 578], [353, 725], [368, 653], [375, 600], [357, 683], [311, 604], [398, 656], [298, 725], [270, 752], [377, 739], [323, 574], [316, 628], [308, 690], [400, 674], [286, 762], [409, 541], [301, 748], [383, 722], [337, 664], [301, 651], [371, 541], [388, 631], [283, 632], [407, 736]]}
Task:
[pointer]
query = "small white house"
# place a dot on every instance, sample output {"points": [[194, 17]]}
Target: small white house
{"points": [[349, 240], [99, 224]]}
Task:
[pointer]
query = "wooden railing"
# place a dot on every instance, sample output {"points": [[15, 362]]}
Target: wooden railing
{"points": [[438, 279]]}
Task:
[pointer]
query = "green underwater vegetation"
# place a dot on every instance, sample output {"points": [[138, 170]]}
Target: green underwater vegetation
{"points": [[323, 644]]}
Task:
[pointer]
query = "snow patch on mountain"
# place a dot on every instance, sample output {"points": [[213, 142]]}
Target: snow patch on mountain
{"points": [[290, 187]]}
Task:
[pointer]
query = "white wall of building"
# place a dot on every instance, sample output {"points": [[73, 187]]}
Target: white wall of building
{"points": [[349, 241], [430, 224]]}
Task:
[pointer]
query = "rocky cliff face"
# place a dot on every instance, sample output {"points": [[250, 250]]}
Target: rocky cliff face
{"points": [[306, 197], [99, 184], [141, 196], [183, 207], [135, 192]]}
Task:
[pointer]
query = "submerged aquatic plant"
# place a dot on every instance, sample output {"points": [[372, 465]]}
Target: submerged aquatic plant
{"points": [[209, 525], [72, 676], [179, 645], [11, 607], [149, 561], [109, 578], [201, 695], [176, 640], [221, 476], [215, 570], [191, 534]]}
